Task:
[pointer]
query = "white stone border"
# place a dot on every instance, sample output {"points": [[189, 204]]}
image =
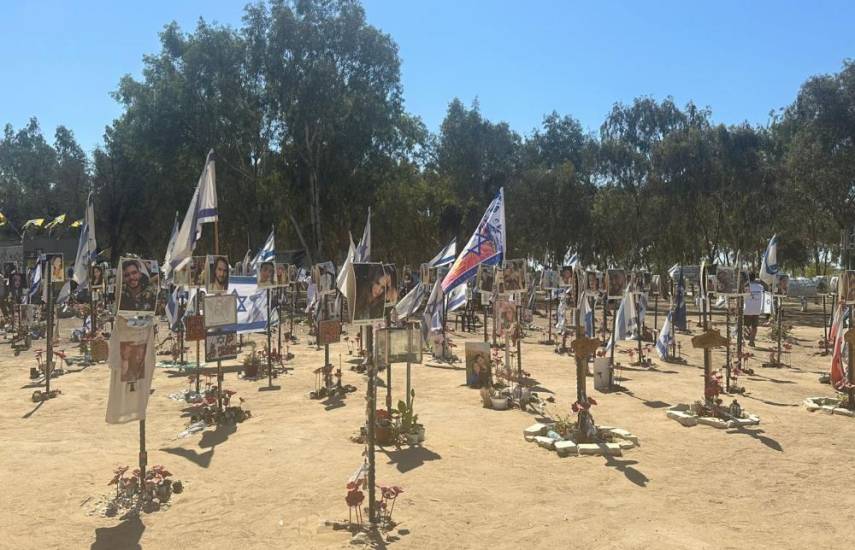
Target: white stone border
{"points": [[536, 433], [682, 414], [828, 405]]}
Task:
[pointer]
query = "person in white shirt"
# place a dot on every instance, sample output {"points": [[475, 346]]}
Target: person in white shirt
{"points": [[753, 307]]}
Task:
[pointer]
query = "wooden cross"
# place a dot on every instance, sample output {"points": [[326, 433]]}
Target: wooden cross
{"points": [[582, 348], [707, 341]]}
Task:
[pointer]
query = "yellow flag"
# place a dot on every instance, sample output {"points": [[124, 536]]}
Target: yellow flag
{"points": [[35, 222], [2, 219], [59, 220], [76, 224]]}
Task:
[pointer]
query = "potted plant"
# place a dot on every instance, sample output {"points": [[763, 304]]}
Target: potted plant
{"points": [[251, 364], [410, 427], [383, 428]]}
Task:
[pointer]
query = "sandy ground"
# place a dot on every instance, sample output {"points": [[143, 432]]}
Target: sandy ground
{"points": [[271, 481]]}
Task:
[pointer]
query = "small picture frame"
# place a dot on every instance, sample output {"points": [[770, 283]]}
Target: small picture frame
{"points": [[218, 274], [220, 310], [56, 265], [221, 346]]}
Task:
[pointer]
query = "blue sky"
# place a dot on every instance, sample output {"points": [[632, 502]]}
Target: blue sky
{"points": [[61, 59]]}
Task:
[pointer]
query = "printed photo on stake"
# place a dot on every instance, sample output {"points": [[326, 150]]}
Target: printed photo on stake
{"points": [[323, 275], [283, 273], [725, 281], [567, 276], [593, 284], [136, 294], [369, 280], [391, 284], [782, 284], [513, 276], [615, 283], [56, 266], [194, 328], [220, 346], [506, 315], [266, 275], [96, 277], [133, 361], [198, 271], [393, 345], [486, 278], [181, 277], [428, 275], [550, 279], [477, 364], [220, 310], [218, 274]]}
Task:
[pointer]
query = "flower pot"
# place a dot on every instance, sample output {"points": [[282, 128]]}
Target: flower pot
{"points": [[412, 438], [250, 370], [382, 434], [499, 403], [421, 433]]}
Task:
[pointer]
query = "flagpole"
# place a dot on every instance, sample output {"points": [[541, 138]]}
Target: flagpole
{"points": [[49, 331]]}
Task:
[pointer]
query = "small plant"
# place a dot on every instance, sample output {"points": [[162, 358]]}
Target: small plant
{"points": [[409, 420], [389, 495]]}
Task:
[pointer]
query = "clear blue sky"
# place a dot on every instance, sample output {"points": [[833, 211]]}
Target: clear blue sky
{"points": [[60, 59]]}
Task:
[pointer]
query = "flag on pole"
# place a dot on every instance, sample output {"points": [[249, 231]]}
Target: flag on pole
{"points": [[571, 258], [170, 247], [266, 254], [838, 372], [411, 302], [363, 251], [247, 258], [342, 281], [430, 315], [769, 267], [59, 220], [486, 246], [456, 298], [588, 315], [680, 304], [664, 340], [202, 209], [37, 279], [172, 308], [625, 319], [87, 248], [446, 255]]}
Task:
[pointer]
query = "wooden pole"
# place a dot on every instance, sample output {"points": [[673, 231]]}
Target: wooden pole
{"points": [[198, 367], [49, 331], [372, 400], [92, 316], [269, 360], [739, 330], [485, 321], [549, 316], [409, 355], [849, 337], [219, 385], [656, 313], [780, 316], [217, 236], [388, 365], [727, 360], [582, 348], [824, 327]]}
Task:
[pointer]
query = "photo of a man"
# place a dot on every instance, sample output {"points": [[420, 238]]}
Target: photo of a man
{"points": [[218, 274], [265, 275], [513, 276], [566, 278], [133, 361], [135, 291], [197, 270], [486, 278]]}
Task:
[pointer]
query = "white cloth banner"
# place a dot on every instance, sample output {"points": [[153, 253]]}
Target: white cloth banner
{"points": [[131, 360]]}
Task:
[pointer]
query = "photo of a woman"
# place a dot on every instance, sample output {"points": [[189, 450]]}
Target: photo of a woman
{"points": [[391, 282], [57, 273], [265, 275], [96, 277], [370, 280], [477, 364]]}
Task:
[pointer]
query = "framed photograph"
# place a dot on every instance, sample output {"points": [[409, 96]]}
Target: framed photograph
{"points": [[782, 285], [220, 310], [477, 364], [615, 283], [198, 271], [391, 284], [549, 279], [323, 275], [181, 277], [194, 328], [506, 315], [428, 275], [486, 298], [567, 276], [221, 345], [513, 276], [369, 280], [329, 332], [486, 278], [133, 360], [96, 277], [57, 267], [656, 285], [266, 275], [593, 281], [218, 274], [330, 307], [725, 281], [283, 275], [393, 345], [136, 293], [834, 285]]}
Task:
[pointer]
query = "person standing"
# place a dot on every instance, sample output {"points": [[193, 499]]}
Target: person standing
{"points": [[753, 307]]}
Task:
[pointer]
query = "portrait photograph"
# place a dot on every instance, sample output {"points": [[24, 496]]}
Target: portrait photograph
{"points": [[283, 275], [550, 279], [391, 283], [782, 284], [593, 279], [96, 277], [218, 274], [428, 275], [567, 276], [725, 281], [369, 292], [323, 275], [57, 267], [194, 328], [198, 270], [486, 278], [513, 276], [615, 283], [506, 315], [266, 275], [220, 346], [220, 310], [477, 364], [135, 292], [133, 360]]}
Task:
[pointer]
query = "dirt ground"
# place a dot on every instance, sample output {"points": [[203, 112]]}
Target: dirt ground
{"points": [[271, 481]]}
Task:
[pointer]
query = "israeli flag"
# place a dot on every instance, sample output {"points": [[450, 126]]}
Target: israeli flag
{"points": [[171, 246], [266, 254], [456, 298], [485, 246], [680, 304], [86, 245], [431, 316], [412, 302], [619, 332], [37, 280], [571, 258], [202, 209], [664, 340], [446, 255], [363, 250], [769, 267], [588, 312]]}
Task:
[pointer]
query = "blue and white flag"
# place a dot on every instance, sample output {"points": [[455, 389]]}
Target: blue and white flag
{"points": [[202, 209], [625, 319], [769, 267], [37, 280], [87, 248], [446, 255], [664, 341], [571, 258], [412, 302], [456, 298], [485, 246], [431, 317], [680, 303], [172, 308], [167, 258], [251, 305], [588, 315], [266, 254], [363, 250]]}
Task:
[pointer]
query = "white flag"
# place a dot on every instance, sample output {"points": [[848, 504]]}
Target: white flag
{"points": [[202, 209], [87, 248], [769, 267], [363, 251], [266, 254], [446, 255]]}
